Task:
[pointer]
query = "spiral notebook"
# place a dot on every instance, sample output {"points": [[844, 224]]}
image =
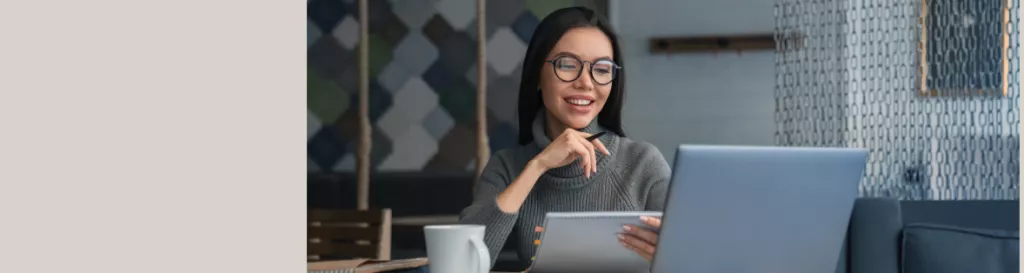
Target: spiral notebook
{"points": [[586, 242]]}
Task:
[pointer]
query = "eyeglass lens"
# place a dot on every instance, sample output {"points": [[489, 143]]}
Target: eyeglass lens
{"points": [[569, 69]]}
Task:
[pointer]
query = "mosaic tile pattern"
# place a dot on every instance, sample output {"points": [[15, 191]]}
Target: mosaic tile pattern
{"points": [[423, 85]]}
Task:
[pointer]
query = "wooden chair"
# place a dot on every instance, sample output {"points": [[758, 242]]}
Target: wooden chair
{"points": [[348, 234]]}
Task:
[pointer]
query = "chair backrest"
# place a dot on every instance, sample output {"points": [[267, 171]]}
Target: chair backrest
{"points": [[986, 214], [876, 226], [348, 234]]}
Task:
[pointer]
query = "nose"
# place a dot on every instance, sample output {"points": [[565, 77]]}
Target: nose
{"points": [[584, 81]]}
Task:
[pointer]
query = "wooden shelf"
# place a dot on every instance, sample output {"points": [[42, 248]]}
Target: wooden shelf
{"points": [[738, 43]]}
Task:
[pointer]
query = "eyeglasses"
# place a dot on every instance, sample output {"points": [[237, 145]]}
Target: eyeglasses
{"points": [[569, 69]]}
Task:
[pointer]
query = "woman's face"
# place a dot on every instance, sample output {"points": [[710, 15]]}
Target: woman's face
{"points": [[571, 100]]}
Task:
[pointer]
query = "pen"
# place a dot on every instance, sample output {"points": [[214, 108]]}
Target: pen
{"points": [[595, 136]]}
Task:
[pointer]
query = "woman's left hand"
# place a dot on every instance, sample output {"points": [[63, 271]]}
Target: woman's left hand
{"points": [[643, 240]]}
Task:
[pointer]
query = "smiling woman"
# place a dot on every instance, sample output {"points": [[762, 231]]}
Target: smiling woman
{"points": [[573, 153]]}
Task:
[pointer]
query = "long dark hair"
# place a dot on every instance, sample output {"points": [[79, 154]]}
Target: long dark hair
{"points": [[545, 36]]}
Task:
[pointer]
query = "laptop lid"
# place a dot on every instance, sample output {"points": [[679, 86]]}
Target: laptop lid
{"points": [[741, 209]]}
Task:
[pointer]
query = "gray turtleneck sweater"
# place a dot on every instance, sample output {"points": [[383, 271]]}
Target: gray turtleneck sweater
{"points": [[633, 178]]}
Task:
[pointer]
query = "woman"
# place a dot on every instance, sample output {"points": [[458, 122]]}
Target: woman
{"points": [[571, 88]]}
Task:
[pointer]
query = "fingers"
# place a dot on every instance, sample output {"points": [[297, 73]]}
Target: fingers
{"points": [[590, 153], [651, 237], [574, 149], [594, 146], [595, 142], [581, 150], [599, 145], [643, 241], [641, 247], [654, 222], [586, 150]]}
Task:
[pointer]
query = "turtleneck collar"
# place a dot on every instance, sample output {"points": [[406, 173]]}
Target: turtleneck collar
{"points": [[572, 175]]}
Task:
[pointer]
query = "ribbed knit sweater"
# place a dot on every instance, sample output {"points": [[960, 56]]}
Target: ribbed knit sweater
{"points": [[634, 177]]}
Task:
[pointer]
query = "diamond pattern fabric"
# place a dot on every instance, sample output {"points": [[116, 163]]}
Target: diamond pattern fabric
{"points": [[502, 93], [313, 124], [505, 51], [414, 13], [329, 59], [523, 26], [323, 98], [437, 30], [438, 122], [412, 105], [391, 31], [413, 149], [327, 13], [415, 53], [394, 76], [326, 147], [498, 13], [458, 13], [460, 101], [347, 164], [380, 54], [311, 166], [458, 53], [491, 75], [541, 8], [312, 33], [423, 66], [347, 32]]}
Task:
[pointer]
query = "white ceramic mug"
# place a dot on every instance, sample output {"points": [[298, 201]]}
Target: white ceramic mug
{"points": [[457, 249]]}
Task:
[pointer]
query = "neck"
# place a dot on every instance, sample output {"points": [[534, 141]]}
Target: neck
{"points": [[554, 126]]}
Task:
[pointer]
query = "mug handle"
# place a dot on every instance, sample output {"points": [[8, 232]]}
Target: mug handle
{"points": [[483, 256]]}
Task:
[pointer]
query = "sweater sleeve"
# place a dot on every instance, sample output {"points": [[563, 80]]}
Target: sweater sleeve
{"points": [[484, 209], [658, 177]]}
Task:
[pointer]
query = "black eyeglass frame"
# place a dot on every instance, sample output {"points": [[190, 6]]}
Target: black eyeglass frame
{"points": [[579, 72]]}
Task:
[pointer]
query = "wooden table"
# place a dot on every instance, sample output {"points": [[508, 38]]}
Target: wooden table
{"points": [[425, 220], [350, 266]]}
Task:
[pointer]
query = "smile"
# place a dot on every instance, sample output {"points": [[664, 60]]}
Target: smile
{"points": [[579, 102]]}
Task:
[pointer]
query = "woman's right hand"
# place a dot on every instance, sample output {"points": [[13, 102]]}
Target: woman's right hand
{"points": [[569, 146], [565, 148]]}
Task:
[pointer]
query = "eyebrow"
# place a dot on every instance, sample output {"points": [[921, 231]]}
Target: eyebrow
{"points": [[565, 53]]}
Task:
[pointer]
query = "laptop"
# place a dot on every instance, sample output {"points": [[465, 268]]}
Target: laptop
{"points": [[741, 209]]}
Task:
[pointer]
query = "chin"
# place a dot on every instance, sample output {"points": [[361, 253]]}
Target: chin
{"points": [[577, 122]]}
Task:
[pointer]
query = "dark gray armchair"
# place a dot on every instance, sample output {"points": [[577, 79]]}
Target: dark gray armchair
{"points": [[891, 236]]}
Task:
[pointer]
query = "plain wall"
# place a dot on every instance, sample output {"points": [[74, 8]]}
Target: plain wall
{"points": [[704, 98]]}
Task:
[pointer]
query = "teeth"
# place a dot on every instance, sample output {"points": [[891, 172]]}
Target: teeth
{"points": [[580, 102]]}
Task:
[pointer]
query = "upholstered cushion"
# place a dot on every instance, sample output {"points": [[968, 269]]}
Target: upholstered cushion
{"points": [[874, 236], [932, 248]]}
